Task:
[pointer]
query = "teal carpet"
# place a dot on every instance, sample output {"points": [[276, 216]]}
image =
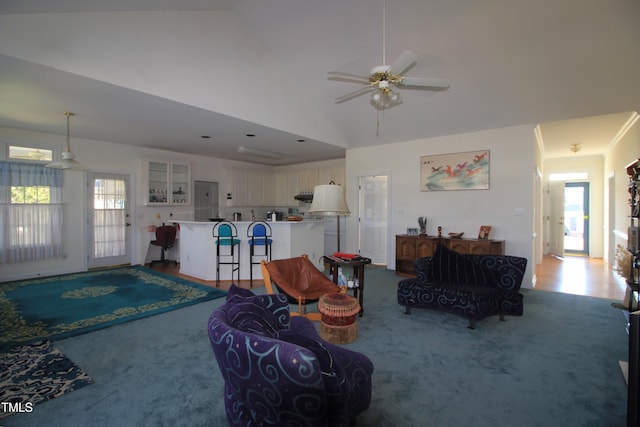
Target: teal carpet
{"points": [[557, 365], [62, 306]]}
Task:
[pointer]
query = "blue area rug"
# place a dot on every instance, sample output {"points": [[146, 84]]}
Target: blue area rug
{"points": [[62, 306], [34, 373]]}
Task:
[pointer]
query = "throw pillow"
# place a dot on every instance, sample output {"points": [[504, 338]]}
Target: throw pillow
{"points": [[236, 291], [450, 267], [248, 313], [438, 264]]}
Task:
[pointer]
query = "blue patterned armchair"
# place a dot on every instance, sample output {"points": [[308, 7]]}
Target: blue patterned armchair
{"points": [[278, 371]]}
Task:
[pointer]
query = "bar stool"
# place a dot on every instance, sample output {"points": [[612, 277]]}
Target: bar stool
{"points": [[259, 234], [225, 234]]}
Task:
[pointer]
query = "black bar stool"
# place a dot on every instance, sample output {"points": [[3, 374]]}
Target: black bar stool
{"points": [[225, 234], [259, 234]]}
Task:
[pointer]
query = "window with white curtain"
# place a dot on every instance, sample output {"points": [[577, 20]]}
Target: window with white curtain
{"points": [[31, 212]]}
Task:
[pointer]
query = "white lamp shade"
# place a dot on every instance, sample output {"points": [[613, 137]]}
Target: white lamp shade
{"points": [[67, 162], [328, 200]]}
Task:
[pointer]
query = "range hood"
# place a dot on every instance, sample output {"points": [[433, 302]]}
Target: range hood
{"points": [[306, 197]]}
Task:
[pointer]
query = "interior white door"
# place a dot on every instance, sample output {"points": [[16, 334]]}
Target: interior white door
{"points": [[108, 220], [372, 215], [556, 218]]}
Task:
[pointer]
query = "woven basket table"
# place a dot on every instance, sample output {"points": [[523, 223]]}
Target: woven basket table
{"points": [[338, 318]]}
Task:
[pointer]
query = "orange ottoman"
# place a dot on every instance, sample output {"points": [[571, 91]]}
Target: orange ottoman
{"points": [[338, 318]]}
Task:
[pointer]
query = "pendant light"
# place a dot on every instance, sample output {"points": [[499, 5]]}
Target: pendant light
{"points": [[68, 161]]}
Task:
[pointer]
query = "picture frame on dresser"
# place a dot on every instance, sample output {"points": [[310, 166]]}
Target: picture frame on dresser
{"points": [[485, 232]]}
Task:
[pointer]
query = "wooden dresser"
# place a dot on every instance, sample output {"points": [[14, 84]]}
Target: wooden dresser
{"points": [[409, 248]]}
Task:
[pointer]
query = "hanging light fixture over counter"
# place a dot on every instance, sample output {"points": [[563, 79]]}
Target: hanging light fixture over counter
{"points": [[68, 161]]}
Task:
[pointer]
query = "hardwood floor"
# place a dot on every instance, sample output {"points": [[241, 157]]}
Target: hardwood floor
{"points": [[569, 274], [579, 276], [173, 270]]}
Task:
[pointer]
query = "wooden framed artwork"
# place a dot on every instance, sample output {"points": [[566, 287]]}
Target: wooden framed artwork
{"points": [[485, 231], [457, 171]]}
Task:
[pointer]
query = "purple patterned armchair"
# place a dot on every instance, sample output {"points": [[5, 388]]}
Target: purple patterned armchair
{"points": [[278, 371]]}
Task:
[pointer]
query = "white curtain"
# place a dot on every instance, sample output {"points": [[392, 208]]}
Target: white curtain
{"points": [[109, 233], [109, 217], [30, 232]]}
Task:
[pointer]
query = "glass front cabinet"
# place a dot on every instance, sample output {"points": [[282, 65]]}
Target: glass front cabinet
{"points": [[167, 183]]}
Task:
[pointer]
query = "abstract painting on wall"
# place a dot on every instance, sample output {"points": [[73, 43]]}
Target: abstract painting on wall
{"points": [[457, 171]]}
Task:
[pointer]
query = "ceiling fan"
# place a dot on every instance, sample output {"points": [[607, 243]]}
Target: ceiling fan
{"points": [[384, 80]]}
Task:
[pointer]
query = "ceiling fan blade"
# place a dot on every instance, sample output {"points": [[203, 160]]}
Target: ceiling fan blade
{"points": [[425, 82], [354, 94], [403, 62], [348, 77]]}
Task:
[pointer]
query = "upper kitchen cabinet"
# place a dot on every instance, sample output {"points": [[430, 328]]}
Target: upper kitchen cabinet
{"points": [[307, 180], [261, 189], [335, 174], [251, 188], [167, 183], [237, 187]]}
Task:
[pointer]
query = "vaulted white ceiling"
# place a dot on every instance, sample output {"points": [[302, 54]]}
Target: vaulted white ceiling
{"points": [[164, 73]]}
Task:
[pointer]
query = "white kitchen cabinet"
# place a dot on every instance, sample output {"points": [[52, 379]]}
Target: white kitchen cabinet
{"points": [[167, 183], [260, 189], [281, 190], [335, 174], [268, 184], [293, 187], [251, 188], [238, 187], [307, 179]]}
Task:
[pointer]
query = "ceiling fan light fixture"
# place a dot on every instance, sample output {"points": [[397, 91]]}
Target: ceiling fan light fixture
{"points": [[67, 161], [384, 98]]}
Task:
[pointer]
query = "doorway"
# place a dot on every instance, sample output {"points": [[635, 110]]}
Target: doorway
{"points": [[108, 220], [373, 214], [576, 214], [205, 200]]}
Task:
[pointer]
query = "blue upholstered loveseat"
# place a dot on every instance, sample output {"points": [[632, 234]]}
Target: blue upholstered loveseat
{"points": [[278, 371], [471, 286]]}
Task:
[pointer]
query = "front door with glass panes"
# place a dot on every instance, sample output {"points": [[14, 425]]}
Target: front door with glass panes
{"points": [[109, 220]]}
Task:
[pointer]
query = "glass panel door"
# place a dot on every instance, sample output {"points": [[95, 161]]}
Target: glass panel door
{"points": [[576, 213], [108, 220]]}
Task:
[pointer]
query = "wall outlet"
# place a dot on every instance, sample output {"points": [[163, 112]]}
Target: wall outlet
{"points": [[157, 216]]}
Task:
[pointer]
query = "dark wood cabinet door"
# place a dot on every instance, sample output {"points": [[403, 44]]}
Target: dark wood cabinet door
{"points": [[458, 245], [426, 246], [405, 247]]}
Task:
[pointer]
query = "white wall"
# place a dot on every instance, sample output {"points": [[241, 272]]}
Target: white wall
{"points": [[623, 152], [512, 165]]}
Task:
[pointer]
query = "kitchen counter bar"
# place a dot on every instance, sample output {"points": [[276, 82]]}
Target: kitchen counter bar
{"points": [[290, 239]]}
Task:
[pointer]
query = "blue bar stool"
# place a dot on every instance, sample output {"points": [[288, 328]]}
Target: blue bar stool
{"points": [[225, 234], [259, 234]]}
